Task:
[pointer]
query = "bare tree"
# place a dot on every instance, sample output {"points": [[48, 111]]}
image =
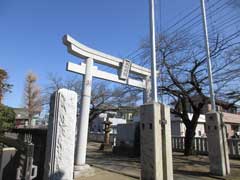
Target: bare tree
{"points": [[183, 72], [4, 85], [104, 97], [231, 93], [111, 99], [32, 96]]}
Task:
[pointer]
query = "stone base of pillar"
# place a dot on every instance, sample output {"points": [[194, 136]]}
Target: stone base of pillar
{"points": [[156, 146], [106, 147], [83, 171]]}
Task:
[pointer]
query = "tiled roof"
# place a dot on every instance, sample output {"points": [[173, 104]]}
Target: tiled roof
{"points": [[21, 113]]}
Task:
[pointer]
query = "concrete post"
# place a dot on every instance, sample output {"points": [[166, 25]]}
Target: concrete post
{"points": [[153, 50], [210, 78], [166, 143], [217, 144], [83, 121], [156, 153], [151, 142]]}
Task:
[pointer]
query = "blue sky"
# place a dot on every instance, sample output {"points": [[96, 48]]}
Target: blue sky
{"points": [[31, 33]]}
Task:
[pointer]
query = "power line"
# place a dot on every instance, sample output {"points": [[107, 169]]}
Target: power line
{"points": [[229, 21], [194, 25], [191, 24], [198, 18]]}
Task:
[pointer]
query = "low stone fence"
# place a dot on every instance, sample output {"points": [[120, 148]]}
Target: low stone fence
{"points": [[99, 137], [234, 147], [200, 146]]}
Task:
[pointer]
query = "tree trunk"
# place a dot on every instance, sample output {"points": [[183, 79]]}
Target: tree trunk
{"points": [[189, 137]]}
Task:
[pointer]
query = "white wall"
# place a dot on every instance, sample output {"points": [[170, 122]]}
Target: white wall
{"points": [[97, 124], [178, 128]]}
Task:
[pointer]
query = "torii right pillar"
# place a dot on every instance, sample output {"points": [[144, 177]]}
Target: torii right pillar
{"points": [[217, 144]]}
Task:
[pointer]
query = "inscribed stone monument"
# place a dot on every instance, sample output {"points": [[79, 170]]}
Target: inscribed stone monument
{"points": [[59, 161]]}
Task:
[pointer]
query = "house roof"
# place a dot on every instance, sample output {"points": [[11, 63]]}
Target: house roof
{"points": [[217, 101], [222, 103], [21, 113]]}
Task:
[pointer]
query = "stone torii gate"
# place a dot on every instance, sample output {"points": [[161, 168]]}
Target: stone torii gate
{"points": [[162, 142], [89, 71]]}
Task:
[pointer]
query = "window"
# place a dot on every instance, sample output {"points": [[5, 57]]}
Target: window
{"points": [[234, 127], [199, 133]]}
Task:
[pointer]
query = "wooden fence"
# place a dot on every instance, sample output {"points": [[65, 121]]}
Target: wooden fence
{"points": [[200, 146]]}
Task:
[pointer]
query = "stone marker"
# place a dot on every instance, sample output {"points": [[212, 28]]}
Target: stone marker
{"points": [[156, 152], [59, 159], [217, 144]]}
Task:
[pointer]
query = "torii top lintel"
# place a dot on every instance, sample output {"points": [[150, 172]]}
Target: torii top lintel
{"points": [[82, 51]]}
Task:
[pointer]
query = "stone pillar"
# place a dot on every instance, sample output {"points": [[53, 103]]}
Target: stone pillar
{"points": [[217, 144], [156, 154], [59, 159], [151, 142], [166, 143], [106, 145], [81, 168], [107, 131]]}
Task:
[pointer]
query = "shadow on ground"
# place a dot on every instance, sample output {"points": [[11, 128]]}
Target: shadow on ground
{"points": [[185, 168]]}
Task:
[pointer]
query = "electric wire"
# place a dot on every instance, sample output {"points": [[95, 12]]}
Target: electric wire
{"points": [[218, 9]]}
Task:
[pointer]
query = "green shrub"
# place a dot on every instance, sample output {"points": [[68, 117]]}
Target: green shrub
{"points": [[7, 118]]}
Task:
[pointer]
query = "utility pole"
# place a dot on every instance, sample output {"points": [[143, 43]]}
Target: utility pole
{"points": [[153, 50], [212, 96]]}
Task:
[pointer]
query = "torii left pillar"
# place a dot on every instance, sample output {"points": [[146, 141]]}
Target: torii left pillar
{"points": [[81, 169]]}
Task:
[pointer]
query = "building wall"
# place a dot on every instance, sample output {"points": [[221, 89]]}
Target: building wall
{"points": [[220, 106], [178, 128], [232, 122], [232, 129], [231, 118]]}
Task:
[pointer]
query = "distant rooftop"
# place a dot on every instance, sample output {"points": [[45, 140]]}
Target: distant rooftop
{"points": [[21, 113]]}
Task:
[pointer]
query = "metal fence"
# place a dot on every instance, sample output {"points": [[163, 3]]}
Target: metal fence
{"points": [[200, 146]]}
